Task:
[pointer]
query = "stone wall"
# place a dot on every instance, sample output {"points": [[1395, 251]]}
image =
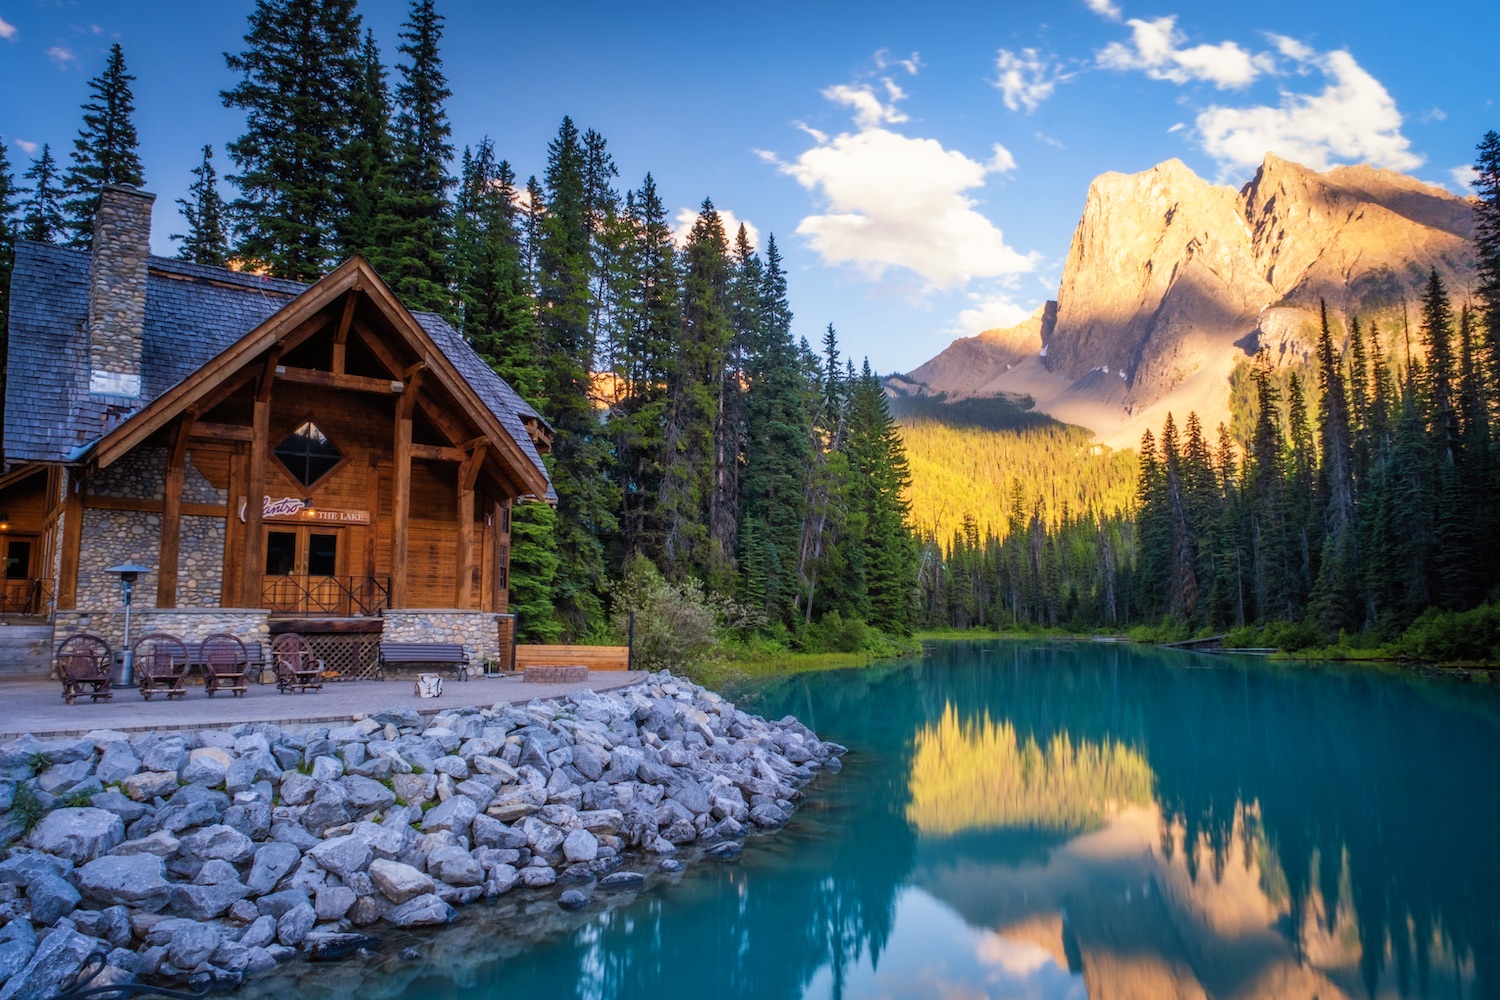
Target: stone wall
{"points": [[249, 625], [112, 537], [478, 631]]}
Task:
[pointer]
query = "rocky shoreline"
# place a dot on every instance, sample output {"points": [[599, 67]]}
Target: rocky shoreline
{"points": [[215, 855]]}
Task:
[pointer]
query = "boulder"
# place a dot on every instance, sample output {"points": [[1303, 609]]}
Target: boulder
{"points": [[366, 794], [423, 911], [52, 898], [52, 968], [326, 946], [207, 765], [146, 785], [573, 899], [59, 778], [260, 933], [272, 861], [23, 866], [218, 841], [78, 834], [192, 944], [293, 925], [205, 902], [401, 716], [17, 945], [343, 855], [135, 880], [457, 814], [580, 845], [332, 902], [399, 882]]}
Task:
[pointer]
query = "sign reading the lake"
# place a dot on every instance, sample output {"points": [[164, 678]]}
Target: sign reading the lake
{"points": [[294, 509]]}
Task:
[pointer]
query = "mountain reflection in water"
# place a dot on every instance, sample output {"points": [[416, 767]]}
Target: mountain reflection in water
{"points": [[1054, 820]]}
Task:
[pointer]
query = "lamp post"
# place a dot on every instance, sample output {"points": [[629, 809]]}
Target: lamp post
{"points": [[128, 573]]}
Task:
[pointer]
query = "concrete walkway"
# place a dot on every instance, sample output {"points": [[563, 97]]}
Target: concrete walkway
{"points": [[37, 707]]}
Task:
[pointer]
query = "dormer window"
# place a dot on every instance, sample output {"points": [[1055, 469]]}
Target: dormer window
{"points": [[308, 454]]}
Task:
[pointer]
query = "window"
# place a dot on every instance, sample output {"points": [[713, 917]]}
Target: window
{"points": [[308, 454]]}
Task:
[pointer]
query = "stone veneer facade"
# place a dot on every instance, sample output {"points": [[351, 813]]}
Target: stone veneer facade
{"points": [[249, 625], [117, 290], [112, 537], [478, 631]]}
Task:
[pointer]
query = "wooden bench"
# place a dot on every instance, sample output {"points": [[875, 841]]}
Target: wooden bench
{"points": [[450, 654], [593, 657]]}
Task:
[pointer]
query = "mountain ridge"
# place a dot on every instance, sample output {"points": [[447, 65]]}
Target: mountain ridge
{"points": [[1170, 282]]}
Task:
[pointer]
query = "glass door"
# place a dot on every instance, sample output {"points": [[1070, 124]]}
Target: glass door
{"points": [[302, 570]]}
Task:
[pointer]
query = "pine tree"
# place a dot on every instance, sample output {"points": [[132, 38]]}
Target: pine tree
{"points": [[691, 543], [41, 209], [414, 228], [105, 150], [880, 477], [299, 67], [205, 241], [365, 187], [1487, 247], [587, 496], [1336, 598]]}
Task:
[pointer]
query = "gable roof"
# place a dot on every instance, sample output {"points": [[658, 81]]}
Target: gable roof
{"points": [[193, 315]]}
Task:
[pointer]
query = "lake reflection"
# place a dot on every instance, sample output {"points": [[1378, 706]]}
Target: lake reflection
{"points": [[1058, 820]]}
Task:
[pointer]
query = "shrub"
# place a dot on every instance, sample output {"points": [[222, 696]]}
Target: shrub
{"points": [[675, 625]]}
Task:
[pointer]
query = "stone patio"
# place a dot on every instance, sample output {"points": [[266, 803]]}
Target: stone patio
{"points": [[36, 707]]}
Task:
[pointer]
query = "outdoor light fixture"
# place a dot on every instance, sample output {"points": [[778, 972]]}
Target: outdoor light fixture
{"points": [[128, 572], [4, 522], [308, 508]]}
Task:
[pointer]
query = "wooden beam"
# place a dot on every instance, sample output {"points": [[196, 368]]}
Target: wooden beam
{"points": [[500, 554], [268, 374], [233, 579], [72, 542], [400, 504], [438, 453], [335, 380], [154, 506], [341, 334], [171, 515], [206, 431], [467, 473], [255, 491]]}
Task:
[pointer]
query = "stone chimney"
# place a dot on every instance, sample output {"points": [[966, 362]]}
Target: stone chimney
{"points": [[117, 290]]}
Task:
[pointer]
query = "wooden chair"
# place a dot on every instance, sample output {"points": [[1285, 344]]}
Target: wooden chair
{"points": [[84, 663], [161, 665], [225, 663], [296, 666]]}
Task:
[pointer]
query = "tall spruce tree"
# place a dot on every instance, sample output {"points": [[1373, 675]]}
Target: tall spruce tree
{"points": [[366, 183], [205, 241], [1487, 247], [298, 69], [41, 209], [1336, 602], [587, 495], [414, 226], [105, 150]]}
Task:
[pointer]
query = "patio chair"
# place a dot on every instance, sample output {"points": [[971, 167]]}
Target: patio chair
{"points": [[84, 663], [161, 665], [296, 666], [225, 662]]}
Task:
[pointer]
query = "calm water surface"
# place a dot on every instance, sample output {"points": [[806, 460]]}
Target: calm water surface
{"points": [[1058, 820]]}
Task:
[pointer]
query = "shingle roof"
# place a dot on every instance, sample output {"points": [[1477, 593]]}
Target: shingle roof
{"points": [[192, 314]]}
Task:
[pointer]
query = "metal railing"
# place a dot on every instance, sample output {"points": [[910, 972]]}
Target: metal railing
{"points": [[334, 596], [26, 598]]}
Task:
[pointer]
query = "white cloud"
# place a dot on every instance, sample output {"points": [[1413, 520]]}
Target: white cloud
{"points": [[1001, 160], [1027, 78], [1464, 177], [7, 30], [62, 56], [1155, 48], [28, 147], [884, 60], [991, 310], [869, 109], [688, 216], [1104, 8], [1354, 119]]}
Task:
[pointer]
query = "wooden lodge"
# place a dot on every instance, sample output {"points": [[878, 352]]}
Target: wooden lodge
{"points": [[281, 457]]}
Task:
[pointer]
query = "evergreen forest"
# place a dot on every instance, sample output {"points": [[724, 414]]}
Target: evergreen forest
{"points": [[702, 452]]}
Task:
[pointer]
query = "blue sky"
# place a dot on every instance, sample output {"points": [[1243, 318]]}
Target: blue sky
{"points": [[922, 167]]}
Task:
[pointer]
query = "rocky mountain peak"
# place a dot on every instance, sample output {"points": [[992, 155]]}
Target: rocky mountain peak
{"points": [[1171, 280]]}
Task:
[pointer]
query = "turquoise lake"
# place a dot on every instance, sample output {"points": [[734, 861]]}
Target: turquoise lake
{"points": [[1053, 820]]}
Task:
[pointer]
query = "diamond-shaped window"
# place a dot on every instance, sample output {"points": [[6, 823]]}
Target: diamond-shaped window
{"points": [[308, 454]]}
